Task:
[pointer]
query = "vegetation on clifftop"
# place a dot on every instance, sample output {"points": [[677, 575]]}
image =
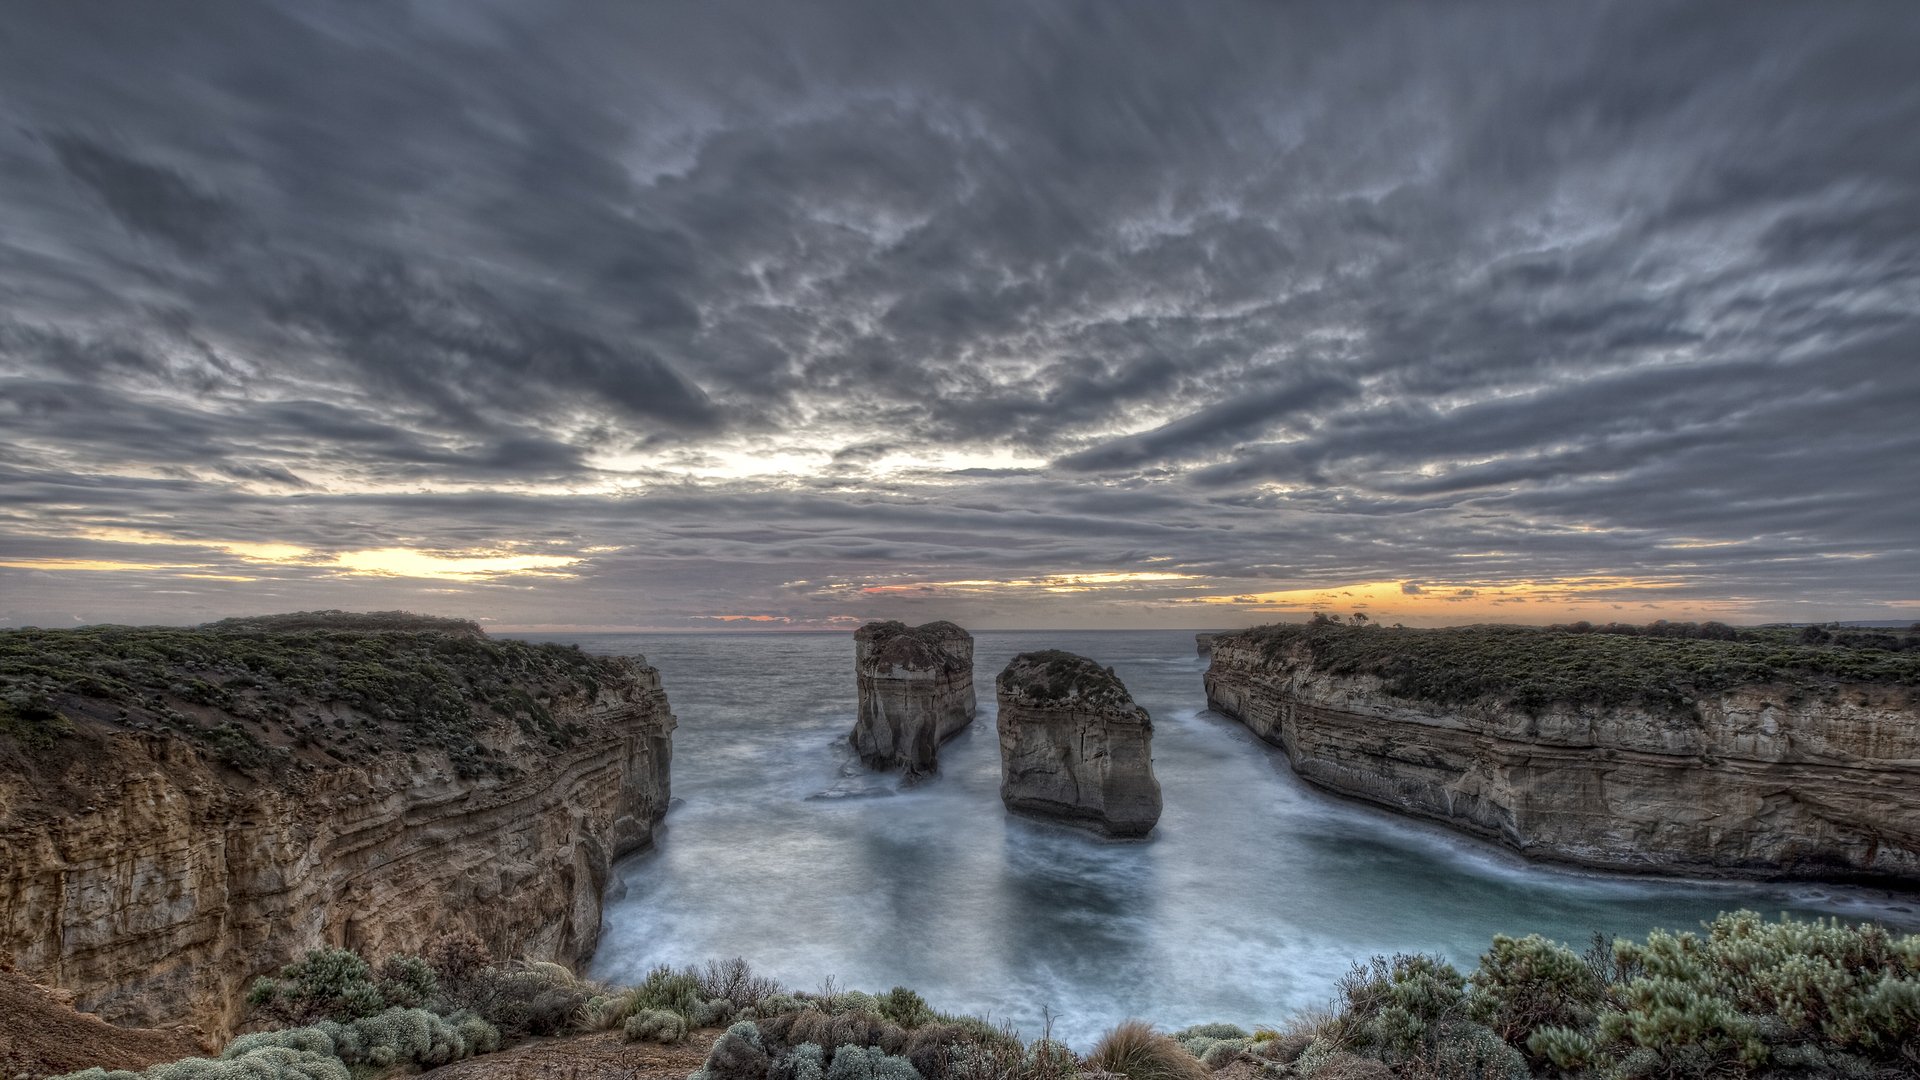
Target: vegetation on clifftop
{"points": [[1054, 676], [1660, 666], [257, 692], [1791, 1000]]}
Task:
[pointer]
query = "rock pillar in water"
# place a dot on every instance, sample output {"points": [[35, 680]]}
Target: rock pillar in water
{"points": [[1074, 746], [916, 692]]}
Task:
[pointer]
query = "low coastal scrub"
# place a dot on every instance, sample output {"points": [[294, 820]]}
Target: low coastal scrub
{"points": [[1663, 665], [260, 692], [1742, 998]]}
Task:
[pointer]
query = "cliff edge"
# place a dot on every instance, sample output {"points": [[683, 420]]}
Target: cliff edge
{"points": [[1764, 753], [182, 810]]}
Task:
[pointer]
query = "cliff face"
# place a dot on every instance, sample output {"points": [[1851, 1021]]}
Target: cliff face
{"points": [[155, 870], [1074, 746], [916, 692], [1792, 777]]}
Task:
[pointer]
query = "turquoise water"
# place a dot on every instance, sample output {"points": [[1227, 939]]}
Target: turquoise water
{"points": [[1252, 896]]}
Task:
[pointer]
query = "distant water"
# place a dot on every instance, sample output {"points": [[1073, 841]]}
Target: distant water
{"points": [[1252, 896]]}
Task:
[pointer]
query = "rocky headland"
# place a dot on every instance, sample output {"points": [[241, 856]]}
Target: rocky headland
{"points": [[916, 692], [1073, 745], [184, 810], [1754, 753]]}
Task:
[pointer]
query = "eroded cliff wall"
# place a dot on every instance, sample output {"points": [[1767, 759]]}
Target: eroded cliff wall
{"points": [[1073, 745], [156, 859], [1797, 776], [916, 692]]}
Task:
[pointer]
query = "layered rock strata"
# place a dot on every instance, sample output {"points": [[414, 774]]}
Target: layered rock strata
{"points": [[1073, 745], [144, 870], [1796, 777], [916, 692]]}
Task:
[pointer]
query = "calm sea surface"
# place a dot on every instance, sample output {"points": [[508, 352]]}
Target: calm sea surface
{"points": [[1249, 900]]}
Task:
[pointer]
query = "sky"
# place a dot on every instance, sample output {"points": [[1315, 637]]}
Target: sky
{"points": [[1036, 314]]}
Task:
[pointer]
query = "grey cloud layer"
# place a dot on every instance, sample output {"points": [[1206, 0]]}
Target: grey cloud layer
{"points": [[1298, 294]]}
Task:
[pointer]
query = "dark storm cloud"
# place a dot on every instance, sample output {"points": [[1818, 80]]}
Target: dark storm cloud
{"points": [[1299, 295], [149, 199]]}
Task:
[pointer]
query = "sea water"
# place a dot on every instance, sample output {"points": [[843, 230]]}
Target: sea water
{"points": [[1251, 897]]}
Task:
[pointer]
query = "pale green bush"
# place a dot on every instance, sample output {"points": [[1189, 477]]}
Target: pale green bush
{"points": [[869, 1063], [656, 1025], [738, 1054]]}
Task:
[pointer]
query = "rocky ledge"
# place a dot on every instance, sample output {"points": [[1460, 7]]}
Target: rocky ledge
{"points": [[916, 692], [1074, 746], [1764, 753], [184, 810]]}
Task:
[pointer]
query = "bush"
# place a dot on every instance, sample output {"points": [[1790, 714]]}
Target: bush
{"points": [[1135, 1050], [869, 1063], [394, 1037], [407, 982], [733, 980], [656, 1025], [804, 1062], [1524, 984], [903, 1007], [675, 990], [736, 1055], [325, 984], [1393, 1009]]}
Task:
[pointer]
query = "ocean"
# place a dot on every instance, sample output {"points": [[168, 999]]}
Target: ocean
{"points": [[1253, 895]]}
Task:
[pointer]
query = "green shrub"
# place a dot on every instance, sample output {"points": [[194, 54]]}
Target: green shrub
{"points": [[656, 1025], [407, 982], [869, 1063], [1566, 1049], [1211, 1031], [1524, 984], [325, 984], [804, 1062], [1467, 1051], [736, 1055], [903, 1007], [673, 989], [393, 1037], [1393, 1009]]}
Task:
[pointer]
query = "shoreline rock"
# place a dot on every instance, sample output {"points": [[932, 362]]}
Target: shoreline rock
{"points": [[1074, 747], [155, 878], [916, 692], [1785, 780]]}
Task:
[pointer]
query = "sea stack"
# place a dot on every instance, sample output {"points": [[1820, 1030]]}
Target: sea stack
{"points": [[1074, 746], [1203, 644], [916, 692]]}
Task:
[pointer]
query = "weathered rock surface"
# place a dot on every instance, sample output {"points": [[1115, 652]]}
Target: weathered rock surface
{"points": [[916, 692], [1797, 779], [154, 880], [1074, 746], [1203, 644]]}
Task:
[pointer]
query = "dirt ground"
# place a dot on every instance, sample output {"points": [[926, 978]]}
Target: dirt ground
{"points": [[604, 1055], [42, 1035]]}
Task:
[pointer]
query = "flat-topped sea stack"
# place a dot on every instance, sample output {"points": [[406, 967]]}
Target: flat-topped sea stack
{"points": [[916, 692], [1203, 644], [1772, 752], [183, 810], [1074, 746]]}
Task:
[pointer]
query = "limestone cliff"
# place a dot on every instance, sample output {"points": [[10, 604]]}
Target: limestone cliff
{"points": [[182, 811], [916, 692], [1074, 746], [1702, 758]]}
